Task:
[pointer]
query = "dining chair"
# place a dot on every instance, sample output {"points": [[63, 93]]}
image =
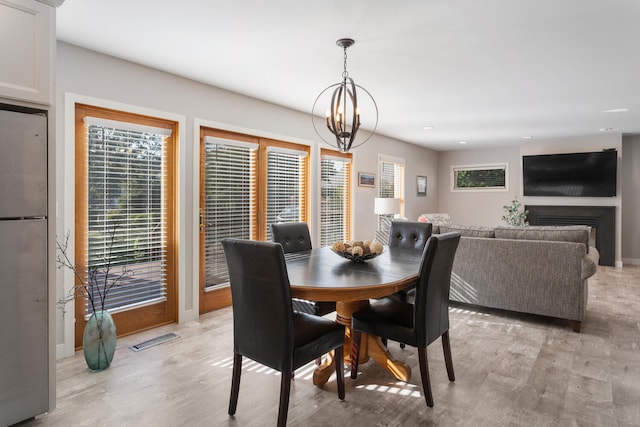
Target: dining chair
{"points": [[411, 235], [295, 237], [265, 327], [420, 323]]}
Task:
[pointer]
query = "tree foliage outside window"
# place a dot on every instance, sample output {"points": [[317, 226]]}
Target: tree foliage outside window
{"points": [[483, 177]]}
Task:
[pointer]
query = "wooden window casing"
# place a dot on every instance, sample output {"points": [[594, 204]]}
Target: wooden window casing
{"points": [[278, 175], [163, 308]]}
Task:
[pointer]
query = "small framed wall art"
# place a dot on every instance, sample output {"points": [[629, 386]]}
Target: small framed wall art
{"points": [[366, 179], [421, 185]]}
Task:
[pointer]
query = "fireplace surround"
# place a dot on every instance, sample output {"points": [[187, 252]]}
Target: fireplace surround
{"points": [[601, 218]]}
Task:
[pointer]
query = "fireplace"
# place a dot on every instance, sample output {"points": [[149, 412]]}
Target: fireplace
{"points": [[601, 218]]}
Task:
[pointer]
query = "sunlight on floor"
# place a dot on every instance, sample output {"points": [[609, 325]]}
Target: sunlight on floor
{"points": [[303, 373], [401, 388]]}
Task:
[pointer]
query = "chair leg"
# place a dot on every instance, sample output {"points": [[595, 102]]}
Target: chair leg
{"points": [[446, 347], [339, 361], [356, 336], [285, 389], [235, 382], [424, 373], [404, 297]]}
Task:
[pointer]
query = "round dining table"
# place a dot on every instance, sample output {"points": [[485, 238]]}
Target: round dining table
{"points": [[322, 275]]}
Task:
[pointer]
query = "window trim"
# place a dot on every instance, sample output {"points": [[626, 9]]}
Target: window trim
{"points": [[483, 166], [155, 313]]}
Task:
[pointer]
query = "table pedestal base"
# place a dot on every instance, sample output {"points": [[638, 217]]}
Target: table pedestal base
{"points": [[370, 347]]}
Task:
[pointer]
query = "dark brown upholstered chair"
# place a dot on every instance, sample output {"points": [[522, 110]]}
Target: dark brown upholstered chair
{"points": [[420, 323], [295, 237], [408, 234], [265, 327]]}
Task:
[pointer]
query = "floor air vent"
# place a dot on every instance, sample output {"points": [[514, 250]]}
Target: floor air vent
{"points": [[154, 341]]}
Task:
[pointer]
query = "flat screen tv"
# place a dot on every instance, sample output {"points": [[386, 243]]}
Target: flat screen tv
{"points": [[571, 175]]}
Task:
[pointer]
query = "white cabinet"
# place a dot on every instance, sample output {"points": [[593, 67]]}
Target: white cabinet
{"points": [[27, 49]]}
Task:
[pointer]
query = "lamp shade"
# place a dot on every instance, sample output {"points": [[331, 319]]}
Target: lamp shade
{"points": [[386, 206]]}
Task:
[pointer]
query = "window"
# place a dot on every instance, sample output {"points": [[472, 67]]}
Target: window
{"points": [[287, 178], [335, 203], [391, 182], [125, 187], [229, 199], [492, 177], [247, 184]]}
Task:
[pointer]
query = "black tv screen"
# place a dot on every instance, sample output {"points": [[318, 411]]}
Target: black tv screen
{"points": [[571, 175]]}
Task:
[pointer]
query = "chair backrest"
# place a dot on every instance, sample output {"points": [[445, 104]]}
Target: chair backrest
{"points": [[261, 299], [409, 234], [293, 236], [432, 289]]}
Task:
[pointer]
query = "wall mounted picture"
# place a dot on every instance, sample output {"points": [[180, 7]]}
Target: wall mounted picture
{"points": [[366, 179], [421, 185]]}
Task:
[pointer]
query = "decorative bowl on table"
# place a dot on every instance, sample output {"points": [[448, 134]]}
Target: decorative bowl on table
{"points": [[358, 251]]}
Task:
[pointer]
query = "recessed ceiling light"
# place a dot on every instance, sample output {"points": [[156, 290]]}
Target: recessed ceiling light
{"points": [[527, 137], [616, 110], [463, 142], [605, 129], [427, 127]]}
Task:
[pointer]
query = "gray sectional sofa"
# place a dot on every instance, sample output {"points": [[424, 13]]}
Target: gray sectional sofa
{"points": [[541, 270]]}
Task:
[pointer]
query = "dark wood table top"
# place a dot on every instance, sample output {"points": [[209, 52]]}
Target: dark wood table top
{"points": [[322, 275]]}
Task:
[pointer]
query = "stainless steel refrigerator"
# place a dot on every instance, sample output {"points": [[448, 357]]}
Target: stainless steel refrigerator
{"points": [[24, 354]]}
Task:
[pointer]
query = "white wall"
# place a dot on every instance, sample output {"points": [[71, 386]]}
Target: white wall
{"points": [[87, 76], [477, 207], [485, 208]]}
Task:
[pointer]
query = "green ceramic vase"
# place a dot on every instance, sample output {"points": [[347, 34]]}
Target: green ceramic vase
{"points": [[99, 341]]}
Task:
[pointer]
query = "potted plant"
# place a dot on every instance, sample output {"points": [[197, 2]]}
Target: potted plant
{"points": [[94, 284], [514, 214]]}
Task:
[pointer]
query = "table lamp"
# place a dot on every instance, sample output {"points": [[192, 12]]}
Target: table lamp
{"points": [[386, 207]]}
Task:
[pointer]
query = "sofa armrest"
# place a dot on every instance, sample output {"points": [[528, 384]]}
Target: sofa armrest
{"points": [[590, 263]]}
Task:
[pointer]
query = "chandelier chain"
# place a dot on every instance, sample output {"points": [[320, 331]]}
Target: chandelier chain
{"points": [[345, 73]]}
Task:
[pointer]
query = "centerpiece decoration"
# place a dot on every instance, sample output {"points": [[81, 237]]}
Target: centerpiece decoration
{"points": [[358, 251]]}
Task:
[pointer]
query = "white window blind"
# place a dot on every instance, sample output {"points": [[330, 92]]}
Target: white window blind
{"points": [[126, 171], [286, 186], [335, 195], [391, 184], [230, 202]]}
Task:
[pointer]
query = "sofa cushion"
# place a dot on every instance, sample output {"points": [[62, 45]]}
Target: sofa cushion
{"points": [[468, 230], [557, 233]]}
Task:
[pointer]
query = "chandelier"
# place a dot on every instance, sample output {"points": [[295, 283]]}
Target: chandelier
{"points": [[343, 115]]}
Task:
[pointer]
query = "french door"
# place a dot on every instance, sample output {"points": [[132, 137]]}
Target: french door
{"points": [[246, 184], [125, 218]]}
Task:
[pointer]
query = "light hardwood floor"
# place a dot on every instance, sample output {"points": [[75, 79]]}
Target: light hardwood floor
{"points": [[511, 370]]}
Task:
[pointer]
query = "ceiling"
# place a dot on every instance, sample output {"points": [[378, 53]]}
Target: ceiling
{"points": [[486, 72]]}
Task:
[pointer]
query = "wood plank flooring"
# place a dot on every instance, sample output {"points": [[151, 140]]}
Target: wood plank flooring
{"points": [[511, 370]]}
